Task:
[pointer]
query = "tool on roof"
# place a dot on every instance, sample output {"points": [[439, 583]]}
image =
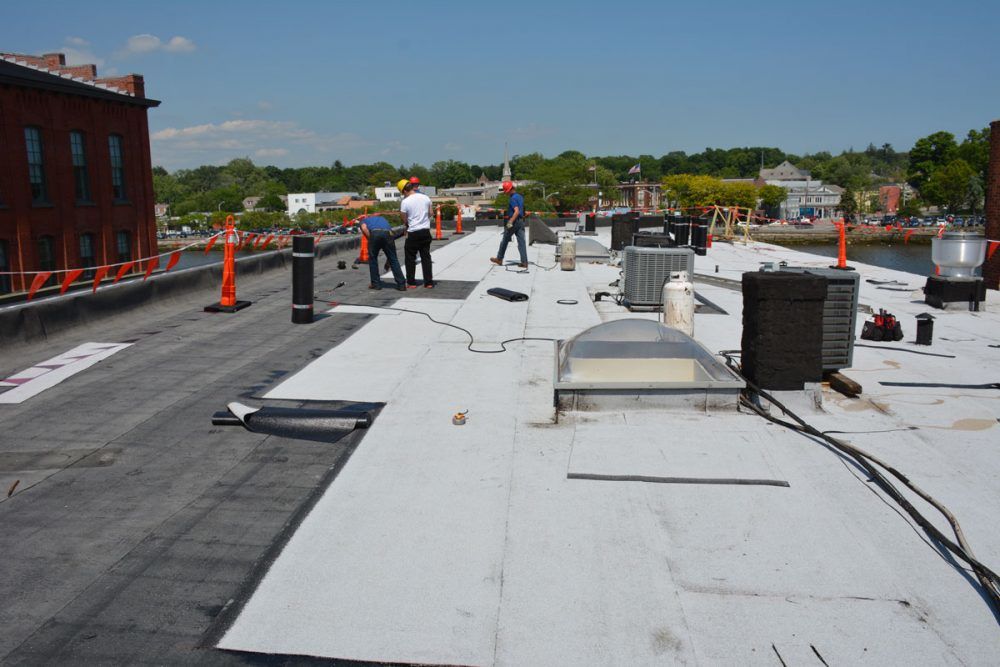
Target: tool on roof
{"points": [[884, 326]]}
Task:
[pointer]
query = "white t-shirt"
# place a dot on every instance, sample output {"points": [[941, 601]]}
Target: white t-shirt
{"points": [[417, 209]]}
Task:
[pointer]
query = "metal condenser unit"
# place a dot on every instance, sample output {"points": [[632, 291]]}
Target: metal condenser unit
{"points": [[645, 270]]}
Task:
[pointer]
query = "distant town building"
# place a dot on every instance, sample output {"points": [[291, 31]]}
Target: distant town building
{"points": [[392, 193], [250, 203], [161, 210], [76, 184], [806, 197], [311, 202], [640, 195]]}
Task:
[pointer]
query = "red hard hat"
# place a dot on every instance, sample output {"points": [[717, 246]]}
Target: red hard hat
{"points": [[414, 180], [507, 186]]}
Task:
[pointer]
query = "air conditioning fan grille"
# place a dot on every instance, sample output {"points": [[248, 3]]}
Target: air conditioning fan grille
{"points": [[645, 270]]}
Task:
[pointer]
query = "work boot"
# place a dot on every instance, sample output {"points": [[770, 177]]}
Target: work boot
{"points": [[498, 262], [374, 287], [401, 288], [523, 265]]}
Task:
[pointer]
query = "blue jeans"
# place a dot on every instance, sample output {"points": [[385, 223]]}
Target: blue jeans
{"points": [[380, 239], [517, 229]]}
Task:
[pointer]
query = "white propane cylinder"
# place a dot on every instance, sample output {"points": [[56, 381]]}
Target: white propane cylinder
{"points": [[567, 253], [678, 303]]}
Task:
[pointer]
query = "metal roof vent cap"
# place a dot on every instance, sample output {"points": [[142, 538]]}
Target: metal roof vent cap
{"points": [[958, 254]]}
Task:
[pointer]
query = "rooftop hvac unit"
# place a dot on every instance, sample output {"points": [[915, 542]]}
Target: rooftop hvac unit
{"points": [[645, 270], [840, 313]]}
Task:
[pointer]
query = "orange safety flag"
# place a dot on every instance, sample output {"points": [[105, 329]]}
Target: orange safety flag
{"points": [[175, 257], [267, 240], [211, 242], [99, 275], [243, 241], [125, 268], [888, 228], [906, 237], [151, 266], [993, 245], [37, 283], [70, 279]]}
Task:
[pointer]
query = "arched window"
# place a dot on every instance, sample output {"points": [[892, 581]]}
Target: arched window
{"points": [[5, 281], [81, 177], [87, 259], [36, 165], [47, 256], [117, 167], [123, 244]]}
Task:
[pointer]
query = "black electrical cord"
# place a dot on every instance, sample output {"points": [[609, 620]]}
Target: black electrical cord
{"points": [[472, 339], [903, 349], [988, 579]]}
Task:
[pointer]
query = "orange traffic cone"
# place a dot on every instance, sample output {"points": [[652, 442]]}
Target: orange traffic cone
{"points": [[458, 221], [228, 303], [363, 255], [842, 251], [437, 233]]}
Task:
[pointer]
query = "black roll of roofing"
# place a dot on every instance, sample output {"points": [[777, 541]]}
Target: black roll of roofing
{"points": [[506, 294], [623, 228], [699, 235], [303, 256], [590, 223], [782, 346], [682, 230]]}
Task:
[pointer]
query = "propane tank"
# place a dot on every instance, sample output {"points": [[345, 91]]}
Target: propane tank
{"points": [[678, 303], [567, 253]]}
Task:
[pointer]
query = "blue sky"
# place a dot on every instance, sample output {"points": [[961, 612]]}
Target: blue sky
{"points": [[305, 83]]}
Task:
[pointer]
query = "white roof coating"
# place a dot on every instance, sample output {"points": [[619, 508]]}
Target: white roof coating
{"points": [[471, 545]]}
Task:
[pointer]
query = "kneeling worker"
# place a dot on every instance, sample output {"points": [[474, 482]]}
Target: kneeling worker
{"points": [[378, 231], [513, 227], [416, 212]]}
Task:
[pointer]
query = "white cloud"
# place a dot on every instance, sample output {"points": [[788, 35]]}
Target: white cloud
{"points": [[179, 44], [146, 43], [78, 52], [262, 138], [264, 105], [452, 147]]}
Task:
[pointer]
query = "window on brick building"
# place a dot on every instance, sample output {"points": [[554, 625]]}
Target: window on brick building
{"points": [[81, 178], [124, 246], [4, 266], [36, 165], [117, 166], [47, 256], [87, 258]]}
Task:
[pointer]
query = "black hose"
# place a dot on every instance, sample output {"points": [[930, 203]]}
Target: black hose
{"points": [[903, 349], [472, 339], [988, 579]]}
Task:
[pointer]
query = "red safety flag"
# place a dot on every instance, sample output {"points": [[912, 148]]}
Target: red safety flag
{"points": [[211, 242], [888, 228], [124, 269], [246, 238], [151, 266], [906, 237], [99, 275], [37, 283], [267, 240], [70, 279], [175, 257], [993, 245]]}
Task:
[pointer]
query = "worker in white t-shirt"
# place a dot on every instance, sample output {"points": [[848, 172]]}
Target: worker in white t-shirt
{"points": [[416, 212]]}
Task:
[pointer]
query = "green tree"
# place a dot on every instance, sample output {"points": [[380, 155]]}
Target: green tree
{"points": [[849, 203], [927, 155], [949, 185], [771, 197]]}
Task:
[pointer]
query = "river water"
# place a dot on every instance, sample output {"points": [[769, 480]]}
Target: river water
{"points": [[914, 258]]}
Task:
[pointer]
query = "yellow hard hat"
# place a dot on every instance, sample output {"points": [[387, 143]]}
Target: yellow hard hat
{"points": [[402, 183]]}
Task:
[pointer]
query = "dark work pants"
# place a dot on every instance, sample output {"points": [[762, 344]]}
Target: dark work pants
{"points": [[382, 240], [418, 242], [516, 230]]}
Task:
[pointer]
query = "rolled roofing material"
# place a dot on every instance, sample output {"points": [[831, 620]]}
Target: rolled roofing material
{"points": [[299, 423], [506, 294]]}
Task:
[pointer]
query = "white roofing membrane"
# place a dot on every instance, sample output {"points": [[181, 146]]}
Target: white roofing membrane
{"points": [[469, 545]]}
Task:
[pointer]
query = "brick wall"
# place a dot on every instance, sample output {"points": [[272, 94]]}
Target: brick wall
{"points": [[991, 270]]}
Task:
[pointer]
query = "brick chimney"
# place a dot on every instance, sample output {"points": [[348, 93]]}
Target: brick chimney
{"points": [[54, 60], [991, 269], [133, 84]]}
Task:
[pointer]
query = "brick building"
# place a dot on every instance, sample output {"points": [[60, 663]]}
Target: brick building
{"points": [[76, 186]]}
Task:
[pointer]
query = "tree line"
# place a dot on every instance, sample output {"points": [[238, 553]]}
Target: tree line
{"points": [[944, 171]]}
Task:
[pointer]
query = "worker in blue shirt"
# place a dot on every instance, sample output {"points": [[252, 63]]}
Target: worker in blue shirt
{"points": [[378, 231], [514, 226]]}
